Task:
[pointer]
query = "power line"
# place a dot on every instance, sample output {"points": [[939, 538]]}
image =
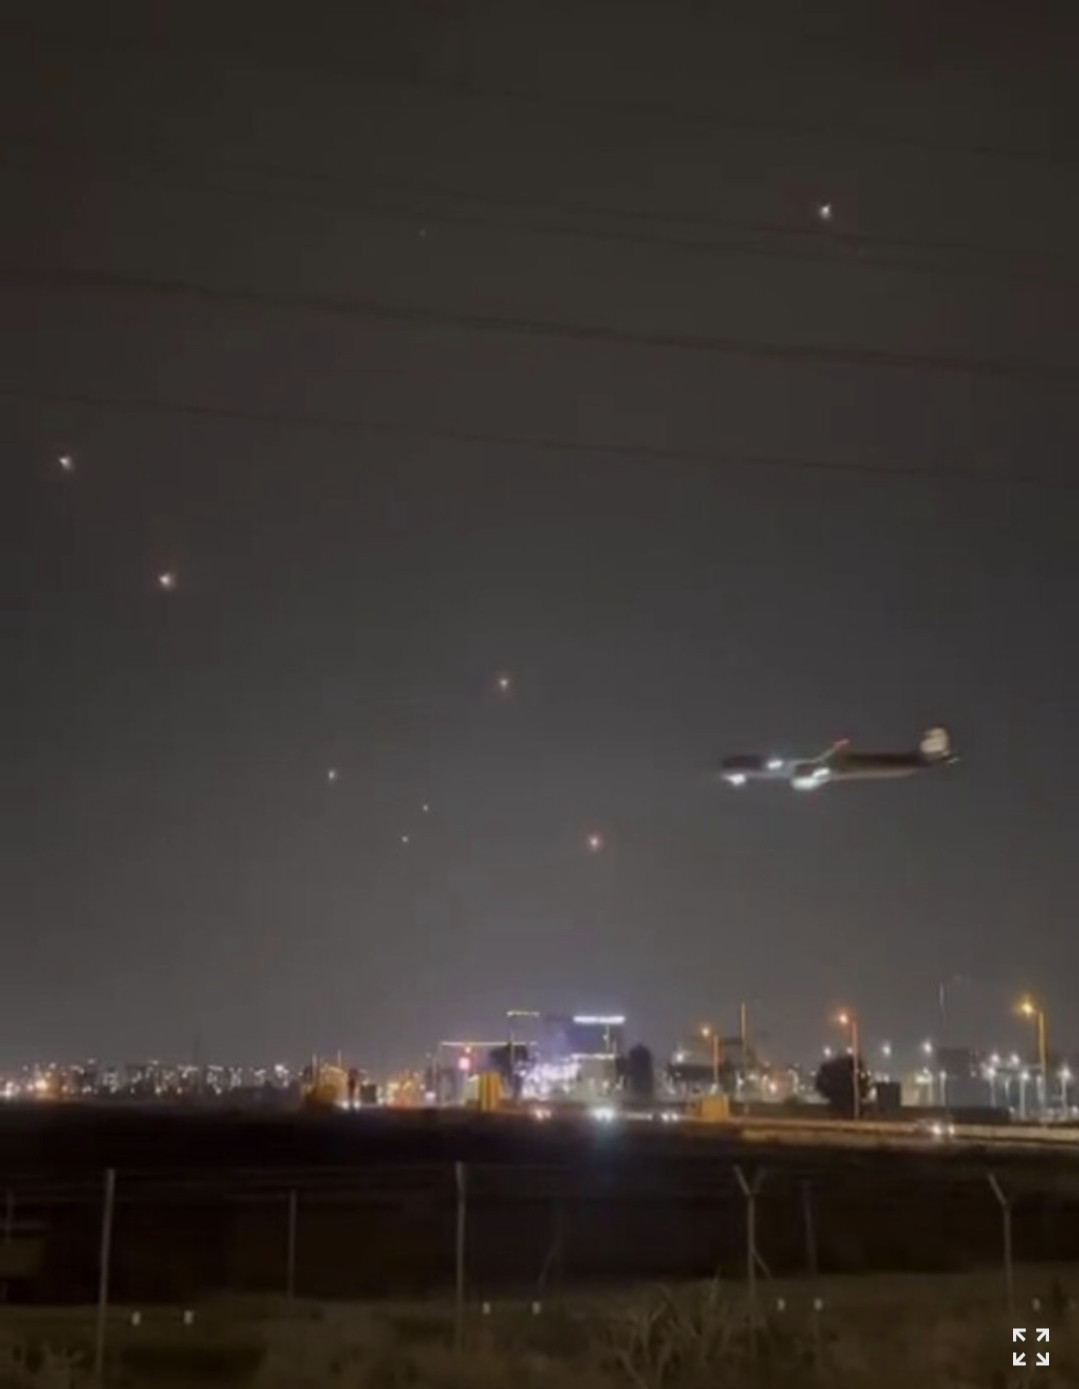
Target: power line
{"points": [[805, 244], [816, 243], [136, 405], [109, 282], [715, 118], [568, 108]]}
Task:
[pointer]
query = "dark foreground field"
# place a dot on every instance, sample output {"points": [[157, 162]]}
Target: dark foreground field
{"points": [[870, 1332], [403, 1205]]}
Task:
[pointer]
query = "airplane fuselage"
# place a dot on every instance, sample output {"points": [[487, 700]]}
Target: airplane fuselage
{"points": [[873, 766], [840, 763]]}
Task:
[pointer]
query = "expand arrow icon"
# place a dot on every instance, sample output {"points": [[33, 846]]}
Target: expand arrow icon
{"points": [[1019, 1357], [1043, 1333], [1043, 1357], [1019, 1333]]}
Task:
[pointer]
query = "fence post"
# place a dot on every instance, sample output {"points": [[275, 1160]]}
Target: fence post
{"points": [[9, 1232], [103, 1274], [1006, 1217], [812, 1266], [290, 1270], [553, 1253], [459, 1274], [749, 1191]]}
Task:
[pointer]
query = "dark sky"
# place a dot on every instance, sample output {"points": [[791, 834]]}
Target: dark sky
{"points": [[329, 314]]}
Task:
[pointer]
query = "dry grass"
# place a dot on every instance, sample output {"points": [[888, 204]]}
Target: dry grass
{"points": [[933, 1333]]}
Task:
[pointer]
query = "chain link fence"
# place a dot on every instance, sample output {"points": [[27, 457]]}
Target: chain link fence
{"points": [[475, 1234]]}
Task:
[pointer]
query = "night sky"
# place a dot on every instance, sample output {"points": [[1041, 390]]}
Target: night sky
{"points": [[513, 339]]}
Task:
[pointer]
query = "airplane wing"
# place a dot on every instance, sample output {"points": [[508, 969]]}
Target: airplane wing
{"points": [[743, 767]]}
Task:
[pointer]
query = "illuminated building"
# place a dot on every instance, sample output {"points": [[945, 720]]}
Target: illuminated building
{"points": [[456, 1065], [577, 1056], [586, 1036]]}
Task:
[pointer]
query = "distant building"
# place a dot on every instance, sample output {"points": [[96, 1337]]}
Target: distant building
{"points": [[583, 1035], [961, 1079], [570, 1056]]}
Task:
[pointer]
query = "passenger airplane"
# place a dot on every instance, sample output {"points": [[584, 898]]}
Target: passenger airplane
{"points": [[839, 763]]}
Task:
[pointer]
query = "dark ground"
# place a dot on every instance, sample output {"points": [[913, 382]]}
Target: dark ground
{"points": [[203, 1204]]}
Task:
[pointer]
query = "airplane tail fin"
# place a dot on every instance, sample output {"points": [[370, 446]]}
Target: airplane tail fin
{"points": [[936, 745], [836, 745]]}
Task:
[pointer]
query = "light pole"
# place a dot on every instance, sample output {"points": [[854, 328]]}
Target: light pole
{"points": [[1029, 1009], [944, 988], [713, 1033], [938, 1077], [849, 1019]]}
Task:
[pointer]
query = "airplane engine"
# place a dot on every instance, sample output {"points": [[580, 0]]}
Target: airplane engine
{"points": [[807, 776], [936, 743]]}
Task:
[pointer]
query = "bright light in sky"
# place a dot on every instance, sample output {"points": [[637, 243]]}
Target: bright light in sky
{"points": [[167, 580], [824, 212], [331, 775], [425, 808], [595, 843], [404, 839], [67, 463], [504, 683]]}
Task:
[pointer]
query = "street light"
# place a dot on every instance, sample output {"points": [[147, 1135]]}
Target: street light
{"points": [[849, 1019], [1029, 1009], [1065, 1081]]}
